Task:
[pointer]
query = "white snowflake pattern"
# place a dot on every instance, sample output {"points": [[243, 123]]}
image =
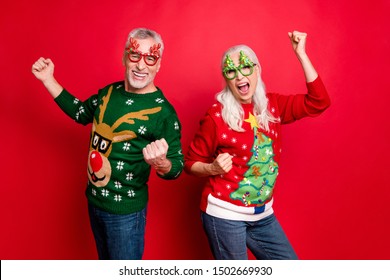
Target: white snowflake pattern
{"points": [[273, 110], [224, 136], [131, 193], [236, 177], [129, 101], [176, 124], [228, 186], [117, 197], [119, 86], [219, 193], [215, 105], [142, 130], [234, 140], [244, 158], [81, 109], [159, 100], [77, 115], [76, 101], [217, 114], [120, 165], [244, 146], [95, 102], [93, 192], [268, 152], [126, 146], [129, 176], [105, 192], [118, 185]]}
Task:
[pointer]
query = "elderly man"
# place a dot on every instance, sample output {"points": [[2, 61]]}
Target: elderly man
{"points": [[134, 128]]}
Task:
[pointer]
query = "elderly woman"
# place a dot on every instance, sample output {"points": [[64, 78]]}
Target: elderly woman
{"points": [[238, 147]]}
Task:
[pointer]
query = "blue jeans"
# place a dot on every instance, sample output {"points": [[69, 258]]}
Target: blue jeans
{"points": [[118, 237], [230, 239]]}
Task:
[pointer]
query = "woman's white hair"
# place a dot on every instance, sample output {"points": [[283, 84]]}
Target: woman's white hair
{"points": [[232, 111]]}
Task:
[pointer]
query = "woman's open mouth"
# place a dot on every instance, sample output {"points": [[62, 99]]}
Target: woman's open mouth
{"points": [[243, 88]]}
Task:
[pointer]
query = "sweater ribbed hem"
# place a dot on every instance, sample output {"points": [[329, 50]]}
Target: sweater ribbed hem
{"points": [[122, 208], [225, 210]]}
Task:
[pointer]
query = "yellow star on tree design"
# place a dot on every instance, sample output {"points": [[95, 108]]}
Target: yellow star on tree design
{"points": [[252, 120]]}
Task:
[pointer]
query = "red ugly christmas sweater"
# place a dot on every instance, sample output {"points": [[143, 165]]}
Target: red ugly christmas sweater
{"points": [[246, 192]]}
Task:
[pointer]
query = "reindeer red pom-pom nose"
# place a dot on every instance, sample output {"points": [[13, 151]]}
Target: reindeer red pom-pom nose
{"points": [[96, 161]]}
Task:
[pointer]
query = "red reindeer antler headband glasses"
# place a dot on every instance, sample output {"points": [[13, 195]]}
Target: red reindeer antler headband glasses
{"points": [[135, 55]]}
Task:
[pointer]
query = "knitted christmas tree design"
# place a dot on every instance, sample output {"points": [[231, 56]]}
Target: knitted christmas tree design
{"points": [[257, 185]]}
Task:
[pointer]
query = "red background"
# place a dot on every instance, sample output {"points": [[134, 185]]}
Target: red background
{"points": [[333, 192]]}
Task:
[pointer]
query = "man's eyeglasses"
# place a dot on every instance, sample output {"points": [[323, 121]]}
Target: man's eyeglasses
{"points": [[230, 73], [135, 56]]}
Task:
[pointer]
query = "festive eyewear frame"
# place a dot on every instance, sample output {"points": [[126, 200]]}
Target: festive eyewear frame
{"points": [[135, 56], [231, 73], [245, 67]]}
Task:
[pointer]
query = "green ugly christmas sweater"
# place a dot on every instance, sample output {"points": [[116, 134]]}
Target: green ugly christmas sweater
{"points": [[123, 123]]}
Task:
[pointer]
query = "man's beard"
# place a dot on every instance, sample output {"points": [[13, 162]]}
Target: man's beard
{"points": [[139, 84]]}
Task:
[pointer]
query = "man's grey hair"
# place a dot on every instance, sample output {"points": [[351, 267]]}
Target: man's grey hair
{"points": [[144, 33]]}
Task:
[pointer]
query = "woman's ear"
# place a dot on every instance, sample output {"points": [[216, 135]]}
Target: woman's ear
{"points": [[257, 66]]}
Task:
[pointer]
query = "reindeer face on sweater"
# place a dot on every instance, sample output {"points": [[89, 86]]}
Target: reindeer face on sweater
{"points": [[103, 138]]}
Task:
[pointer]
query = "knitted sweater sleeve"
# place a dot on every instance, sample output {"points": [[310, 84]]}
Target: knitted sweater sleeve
{"points": [[203, 146], [295, 107], [171, 132], [80, 111]]}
